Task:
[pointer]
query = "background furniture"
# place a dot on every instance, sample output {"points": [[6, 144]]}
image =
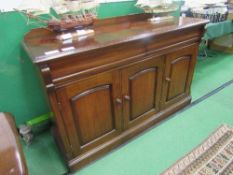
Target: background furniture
{"points": [[106, 88], [12, 161], [214, 30], [223, 43]]}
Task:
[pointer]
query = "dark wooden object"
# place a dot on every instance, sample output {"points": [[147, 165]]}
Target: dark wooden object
{"points": [[12, 161], [107, 88]]}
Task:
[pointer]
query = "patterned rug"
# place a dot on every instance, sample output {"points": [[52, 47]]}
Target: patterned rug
{"points": [[213, 157]]}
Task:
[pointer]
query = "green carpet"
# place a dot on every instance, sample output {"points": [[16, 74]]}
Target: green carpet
{"points": [[211, 73], [161, 146], [43, 157]]}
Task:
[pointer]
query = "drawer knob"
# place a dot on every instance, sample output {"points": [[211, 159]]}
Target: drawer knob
{"points": [[168, 79], [127, 97], [118, 101]]}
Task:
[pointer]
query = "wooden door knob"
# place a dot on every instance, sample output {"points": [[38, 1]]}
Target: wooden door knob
{"points": [[168, 79], [127, 97], [118, 101]]}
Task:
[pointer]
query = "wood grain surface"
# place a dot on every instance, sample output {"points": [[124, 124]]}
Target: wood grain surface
{"points": [[107, 88]]}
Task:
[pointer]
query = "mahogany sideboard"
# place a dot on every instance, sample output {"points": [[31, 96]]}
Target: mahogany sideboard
{"points": [[108, 87]]}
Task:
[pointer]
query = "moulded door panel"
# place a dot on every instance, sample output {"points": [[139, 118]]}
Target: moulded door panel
{"points": [[178, 74], [141, 86], [91, 110]]}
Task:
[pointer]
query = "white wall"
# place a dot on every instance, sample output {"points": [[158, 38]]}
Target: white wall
{"points": [[9, 5]]}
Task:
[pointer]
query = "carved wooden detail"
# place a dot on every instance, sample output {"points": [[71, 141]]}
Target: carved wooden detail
{"points": [[90, 105], [99, 120], [178, 75], [142, 82], [178, 84], [141, 90]]}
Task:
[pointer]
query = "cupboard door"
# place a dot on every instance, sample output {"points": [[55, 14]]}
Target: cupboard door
{"points": [[91, 110], [141, 89], [179, 68]]}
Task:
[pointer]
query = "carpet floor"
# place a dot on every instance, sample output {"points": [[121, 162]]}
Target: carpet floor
{"points": [[158, 148], [211, 72]]}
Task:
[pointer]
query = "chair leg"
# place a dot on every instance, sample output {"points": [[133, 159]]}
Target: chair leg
{"points": [[203, 46]]}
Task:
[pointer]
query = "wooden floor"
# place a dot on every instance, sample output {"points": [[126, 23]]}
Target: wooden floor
{"points": [[159, 147]]}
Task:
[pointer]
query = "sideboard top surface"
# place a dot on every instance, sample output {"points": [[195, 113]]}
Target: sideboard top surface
{"points": [[42, 45]]}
